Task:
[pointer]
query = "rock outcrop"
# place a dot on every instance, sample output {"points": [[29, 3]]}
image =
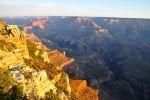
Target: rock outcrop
{"points": [[82, 91], [39, 71]]}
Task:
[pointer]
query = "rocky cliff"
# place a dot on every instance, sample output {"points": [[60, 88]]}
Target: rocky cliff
{"points": [[29, 70]]}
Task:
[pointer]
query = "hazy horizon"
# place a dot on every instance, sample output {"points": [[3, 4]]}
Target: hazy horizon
{"points": [[94, 8]]}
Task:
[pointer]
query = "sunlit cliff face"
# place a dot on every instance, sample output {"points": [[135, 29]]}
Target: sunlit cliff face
{"points": [[33, 71]]}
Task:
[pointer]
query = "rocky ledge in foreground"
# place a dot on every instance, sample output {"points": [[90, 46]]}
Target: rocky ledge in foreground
{"points": [[29, 70]]}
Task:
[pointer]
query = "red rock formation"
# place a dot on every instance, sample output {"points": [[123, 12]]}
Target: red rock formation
{"points": [[82, 91], [26, 28], [87, 21], [39, 23]]}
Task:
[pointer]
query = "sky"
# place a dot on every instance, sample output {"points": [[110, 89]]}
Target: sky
{"points": [[97, 8]]}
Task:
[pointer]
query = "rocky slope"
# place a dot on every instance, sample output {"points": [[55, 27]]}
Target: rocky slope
{"points": [[29, 70]]}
